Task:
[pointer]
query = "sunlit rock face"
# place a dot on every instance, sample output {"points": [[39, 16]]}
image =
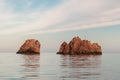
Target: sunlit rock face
{"points": [[78, 46], [64, 48], [31, 46]]}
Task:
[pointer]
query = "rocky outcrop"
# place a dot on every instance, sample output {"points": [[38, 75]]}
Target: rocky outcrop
{"points": [[31, 46], [64, 48], [78, 46]]}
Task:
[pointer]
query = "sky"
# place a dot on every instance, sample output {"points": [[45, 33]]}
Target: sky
{"points": [[55, 21]]}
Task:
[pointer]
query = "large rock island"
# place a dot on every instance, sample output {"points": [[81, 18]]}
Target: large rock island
{"points": [[31, 46], [78, 46]]}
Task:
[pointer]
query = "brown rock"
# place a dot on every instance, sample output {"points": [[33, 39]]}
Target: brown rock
{"points": [[31, 46], [64, 48], [78, 46]]}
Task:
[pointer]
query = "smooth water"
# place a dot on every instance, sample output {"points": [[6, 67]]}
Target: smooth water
{"points": [[50, 66]]}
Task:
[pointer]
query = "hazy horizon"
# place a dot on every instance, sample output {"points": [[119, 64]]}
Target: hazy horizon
{"points": [[54, 21]]}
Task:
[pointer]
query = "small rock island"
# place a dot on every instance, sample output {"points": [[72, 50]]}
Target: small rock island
{"points": [[31, 46], [80, 47]]}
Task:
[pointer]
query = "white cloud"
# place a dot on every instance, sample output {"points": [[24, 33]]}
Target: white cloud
{"points": [[97, 25], [82, 14]]}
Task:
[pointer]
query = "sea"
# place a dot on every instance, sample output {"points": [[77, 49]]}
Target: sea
{"points": [[51, 66]]}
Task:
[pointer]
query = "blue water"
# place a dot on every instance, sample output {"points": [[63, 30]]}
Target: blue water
{"points": [[50, 66]]}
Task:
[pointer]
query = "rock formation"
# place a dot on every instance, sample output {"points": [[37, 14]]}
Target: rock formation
{"points": [[31, 46], [78, 46]]}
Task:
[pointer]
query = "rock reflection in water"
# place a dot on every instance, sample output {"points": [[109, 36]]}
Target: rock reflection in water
{"points": [[31, 67], [80, 67]]}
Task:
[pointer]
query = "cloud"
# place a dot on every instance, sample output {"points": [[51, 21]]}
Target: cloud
{"points": [[73, 28], [66, 16]]}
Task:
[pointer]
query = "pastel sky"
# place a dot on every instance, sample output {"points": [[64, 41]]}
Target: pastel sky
{"points": [[55, 21]]}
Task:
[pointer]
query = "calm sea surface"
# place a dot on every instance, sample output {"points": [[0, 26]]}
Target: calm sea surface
{"points": [[50, 66]]}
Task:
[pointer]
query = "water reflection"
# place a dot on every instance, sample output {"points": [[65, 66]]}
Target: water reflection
{"points": [[80, 67], [31, 67]]}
